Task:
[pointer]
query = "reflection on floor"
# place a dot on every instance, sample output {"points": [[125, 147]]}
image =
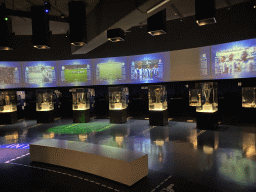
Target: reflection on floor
{"points": [[181, 157]]}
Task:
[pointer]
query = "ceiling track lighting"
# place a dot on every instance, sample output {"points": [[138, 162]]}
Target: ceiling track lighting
{"points": [[205, 12], [77, 23], [40, 28], [157, 23], [115, 35], [157, 6], [6, 35]]}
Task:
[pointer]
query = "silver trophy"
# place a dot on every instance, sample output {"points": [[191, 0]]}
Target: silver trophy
{"points": [[207, 93], [157, 93]]}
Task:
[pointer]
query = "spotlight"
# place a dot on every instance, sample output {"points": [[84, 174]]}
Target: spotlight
{"points": [[205, 12], [157, 23], [62, 16], [40, 28], [77, 23], [6, 34], [115, 35], [47, 6]]}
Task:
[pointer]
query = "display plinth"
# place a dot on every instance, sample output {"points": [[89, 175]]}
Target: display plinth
{"points": [[8, 118], [118, 116], [248, 115], [207, 120], [158, 118], [81, 116], [45, 116]]}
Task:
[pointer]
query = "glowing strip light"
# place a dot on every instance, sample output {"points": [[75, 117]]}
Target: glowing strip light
{"points": [[157, 6]]}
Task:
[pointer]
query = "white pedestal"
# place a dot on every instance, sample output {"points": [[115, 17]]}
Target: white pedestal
{"points": [[7, 107], [45, 106], [118, 105], [207, 107], [113, 163], [158, 106]]}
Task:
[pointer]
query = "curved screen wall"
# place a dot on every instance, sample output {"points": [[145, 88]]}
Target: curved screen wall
{"points": [[229, 60]]}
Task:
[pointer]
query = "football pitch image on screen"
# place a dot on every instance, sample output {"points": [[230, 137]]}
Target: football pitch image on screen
{"points": [[40, 74], [110, 71], [75, 73]]}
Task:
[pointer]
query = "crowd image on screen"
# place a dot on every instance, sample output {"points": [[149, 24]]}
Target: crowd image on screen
{"points": [[146, 70], [7, 75], [235, 62]]}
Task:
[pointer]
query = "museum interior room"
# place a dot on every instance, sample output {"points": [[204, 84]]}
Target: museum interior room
{"points": [[128, 95]]}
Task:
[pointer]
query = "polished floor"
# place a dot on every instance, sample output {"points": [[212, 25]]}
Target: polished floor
{"points": [[180, 157]]}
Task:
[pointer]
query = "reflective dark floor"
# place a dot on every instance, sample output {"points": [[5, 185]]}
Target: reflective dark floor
{"points": [[181, 157]]}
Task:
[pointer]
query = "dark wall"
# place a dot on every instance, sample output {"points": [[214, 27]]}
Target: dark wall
{"points": [[23, 49]]}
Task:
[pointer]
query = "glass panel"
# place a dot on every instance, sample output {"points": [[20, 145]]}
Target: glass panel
{"points": [[248, 97], [195, 97], [81, 99], [118, 98], [208, 98], [157, 96], [44, 100], [8, 101]]}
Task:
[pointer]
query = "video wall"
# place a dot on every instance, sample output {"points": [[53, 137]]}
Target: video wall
{"points": [[10, 75], [75, 72], [234, 60], [223, 61], [39, 74], [111, 70], [149, 68]]}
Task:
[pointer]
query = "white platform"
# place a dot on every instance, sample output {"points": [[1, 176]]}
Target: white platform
{"points": [[113, 163]]}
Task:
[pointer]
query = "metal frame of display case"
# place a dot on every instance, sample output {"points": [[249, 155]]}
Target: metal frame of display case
{"points": [[81, 101], [44, 113], [118, 103], [207, 109], [158, 113], [8, 113]]}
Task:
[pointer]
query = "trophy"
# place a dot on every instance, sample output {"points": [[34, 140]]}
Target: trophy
{"points": [[118, 97], [157, 93], [207, 93]]}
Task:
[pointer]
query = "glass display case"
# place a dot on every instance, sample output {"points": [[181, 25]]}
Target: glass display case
{"points": [[195, 97], [248, 97], [207, 96], [8, 101], [157, 96], [118, 98], [81, 99], [44, 100]]}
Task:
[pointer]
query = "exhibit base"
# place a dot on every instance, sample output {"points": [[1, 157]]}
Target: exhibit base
{"points": [[8, 118], [207, 121], [158, 118], [118, 116], [81, 116], [45, 116]]}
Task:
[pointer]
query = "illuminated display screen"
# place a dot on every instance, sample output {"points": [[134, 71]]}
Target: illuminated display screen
{"points": [[204, 60], [75, 72], [234, 60], [16, 146], [190, 64], [147, 68], [10, 75], [111, 70], [40, 74]]}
